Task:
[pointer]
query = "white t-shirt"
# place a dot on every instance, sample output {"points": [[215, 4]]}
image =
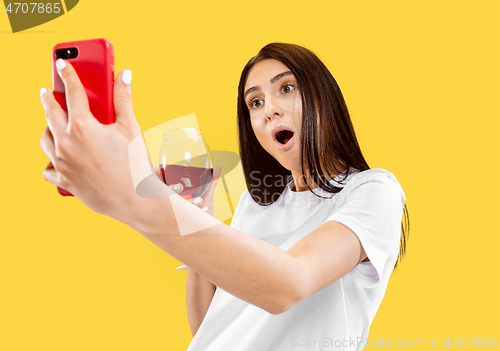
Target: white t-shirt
{"points": [[339, 315]]}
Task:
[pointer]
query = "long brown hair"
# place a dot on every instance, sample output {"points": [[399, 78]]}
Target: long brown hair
{"points": [[323, 140]]}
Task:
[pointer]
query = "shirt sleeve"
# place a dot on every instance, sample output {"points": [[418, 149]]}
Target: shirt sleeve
{"points": [[371, 205]]}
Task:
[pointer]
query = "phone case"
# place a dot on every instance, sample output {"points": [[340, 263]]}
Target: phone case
{"points": [[95, 67]]}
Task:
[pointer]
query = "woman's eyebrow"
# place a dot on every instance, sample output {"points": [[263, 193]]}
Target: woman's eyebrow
{"points": [[273, 80], [279, 76]]}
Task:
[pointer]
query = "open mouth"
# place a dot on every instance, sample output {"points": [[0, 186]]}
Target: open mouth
{"points": [[283, 136]]}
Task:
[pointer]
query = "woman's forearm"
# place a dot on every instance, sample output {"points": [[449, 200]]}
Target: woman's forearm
{"points": [[199, 295], [246, 267]]}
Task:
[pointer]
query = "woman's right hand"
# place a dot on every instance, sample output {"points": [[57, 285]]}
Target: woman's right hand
{"points": [[205, 202]]}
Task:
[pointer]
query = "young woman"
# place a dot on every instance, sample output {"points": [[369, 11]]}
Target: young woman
{"points": [[314, 239]]}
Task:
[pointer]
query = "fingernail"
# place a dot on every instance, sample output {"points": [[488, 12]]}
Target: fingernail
{"points": [[127, 76], [177, 187], [60, 64], [205, 209], [42, 91], [197, 200]]}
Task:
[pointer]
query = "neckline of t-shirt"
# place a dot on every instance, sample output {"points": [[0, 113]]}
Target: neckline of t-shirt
{"points": [[335, 181]]}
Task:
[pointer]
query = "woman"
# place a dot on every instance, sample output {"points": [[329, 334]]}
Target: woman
{"points": [[314, 238]]}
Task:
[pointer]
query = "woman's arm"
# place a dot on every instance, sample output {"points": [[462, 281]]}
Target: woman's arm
{"points": [[246, 267], [199, 294]]}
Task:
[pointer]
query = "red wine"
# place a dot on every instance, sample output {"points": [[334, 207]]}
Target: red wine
{"points": [[195, 179]]}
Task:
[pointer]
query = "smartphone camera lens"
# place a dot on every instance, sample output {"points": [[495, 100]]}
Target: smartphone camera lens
{"points": [[66, 53]]}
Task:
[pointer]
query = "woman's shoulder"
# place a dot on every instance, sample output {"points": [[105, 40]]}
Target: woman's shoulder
{"points": [[374, 173], [355, 177], [376, 179]]}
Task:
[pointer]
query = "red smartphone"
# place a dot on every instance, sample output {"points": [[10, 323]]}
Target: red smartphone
{"points": [[93, 61]]}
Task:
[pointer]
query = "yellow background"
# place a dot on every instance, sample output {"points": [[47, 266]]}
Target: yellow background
{"points": [[421, 80]]}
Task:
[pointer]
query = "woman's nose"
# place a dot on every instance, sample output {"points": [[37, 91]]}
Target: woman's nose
{"points": [[273, 109]]}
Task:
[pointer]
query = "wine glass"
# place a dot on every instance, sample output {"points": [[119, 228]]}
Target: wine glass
{"points": [[185, 158]]}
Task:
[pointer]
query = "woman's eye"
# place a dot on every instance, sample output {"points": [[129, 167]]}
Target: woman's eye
{"points": [[287, 88], [255, 103]]}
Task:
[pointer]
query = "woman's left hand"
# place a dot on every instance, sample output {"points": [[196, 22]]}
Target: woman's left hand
{"points": [[205, 202], [87, 158]]}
